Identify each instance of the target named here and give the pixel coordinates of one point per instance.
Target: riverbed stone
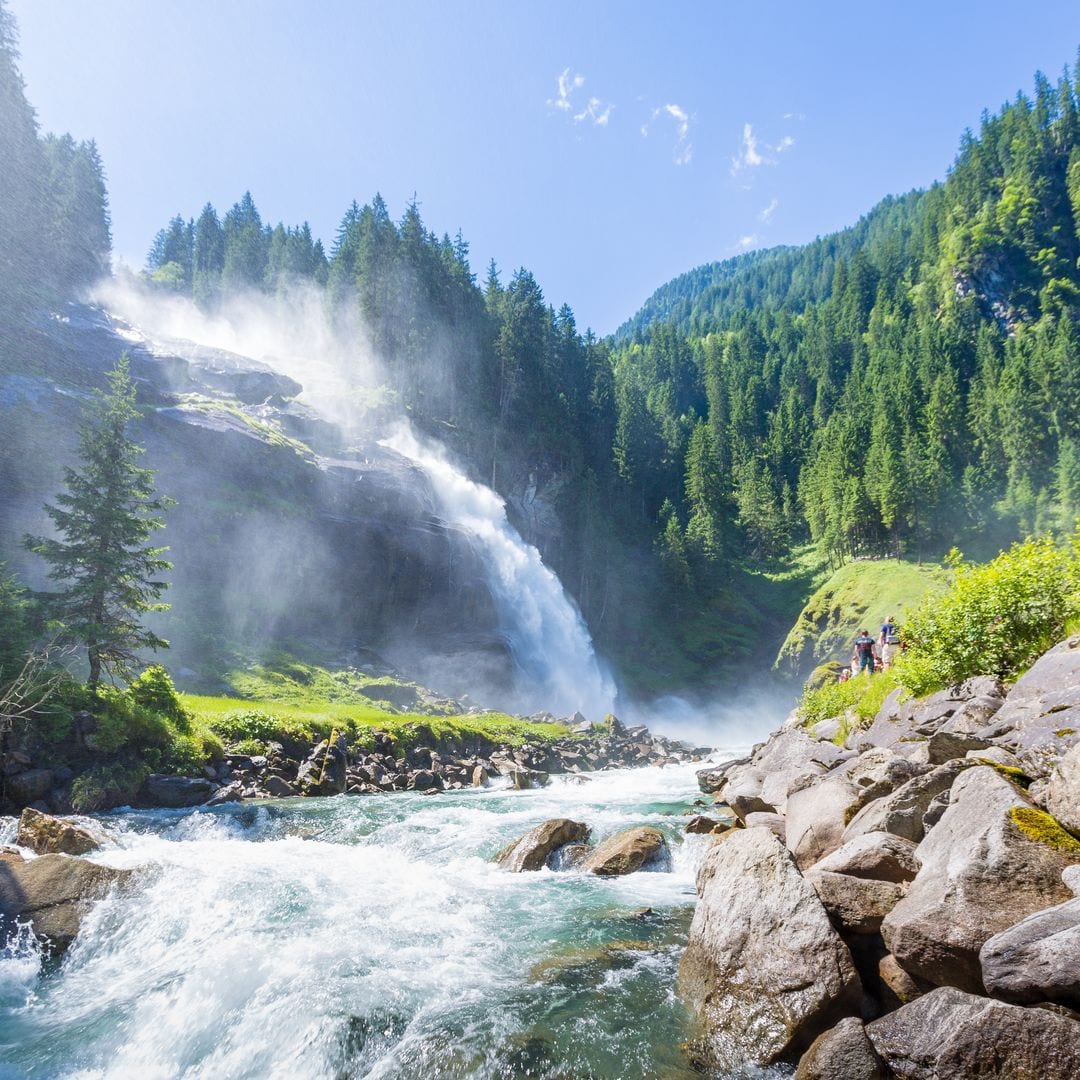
(532, 851)
(764, 970)
(841, 1053)
(29, 786)
(901, 984)
(1036, 960)
(175, 792)
(51, 890)
(641, 848)
(45, 834)
(951, 1034)
(774, 822)
(878, 855)
(980, 873)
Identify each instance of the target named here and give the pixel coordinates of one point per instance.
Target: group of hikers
(873, 654)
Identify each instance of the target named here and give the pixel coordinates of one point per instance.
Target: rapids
(367, 937)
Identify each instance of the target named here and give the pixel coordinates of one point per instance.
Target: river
(368, 937)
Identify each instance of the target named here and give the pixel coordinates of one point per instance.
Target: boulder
(324, 771)
(532, 851)
(29, 786)
(855, 905)
(1036, 960)
(1070, 877)
(1062, 796)
(901, 812)
(944, 746)
(980, 872)
(175, 791)
(45, 835)
(1040, 719)
(278, 788)
(974, 715)
(774, 822)
(902, 985)
(742, 791)
(841, 1053)
(764, 969)
(877, 855)
(50, 891)
(642, 848)
(948, 1033)
(711, 780)
(699, 823)
(817, 815)
(233, 792)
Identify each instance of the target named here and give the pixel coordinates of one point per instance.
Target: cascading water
(366, 937)
(558, 667)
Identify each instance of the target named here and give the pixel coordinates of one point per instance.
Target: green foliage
(106, 786)
(996, 618)
(16, 629)
(857, 699)
(154, 690)
(104, 519)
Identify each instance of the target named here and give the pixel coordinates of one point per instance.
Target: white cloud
(594, 110)
(748, 241)
(768, 211)
(683, 150)
(567, 84)
(754, 153)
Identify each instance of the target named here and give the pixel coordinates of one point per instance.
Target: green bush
(994, 619)
(255, 724)
(106, 786)
(154, 690)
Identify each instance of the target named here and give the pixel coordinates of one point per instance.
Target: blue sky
(605, 146)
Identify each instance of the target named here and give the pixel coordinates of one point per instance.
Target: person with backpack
(888, 641)
(864, 652)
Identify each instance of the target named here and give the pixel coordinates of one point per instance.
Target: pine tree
(104, 520)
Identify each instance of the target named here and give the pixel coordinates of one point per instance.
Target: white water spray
(559, 669)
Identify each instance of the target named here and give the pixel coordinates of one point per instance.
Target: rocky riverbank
(905, 901)
(382, 765)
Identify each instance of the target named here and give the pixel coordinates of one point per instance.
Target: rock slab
(44, 835)
(764, 970)
(641, 848)
(532, 851)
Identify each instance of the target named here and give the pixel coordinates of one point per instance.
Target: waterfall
(558, 669)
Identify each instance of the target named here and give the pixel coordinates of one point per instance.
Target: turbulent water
(557, 665)
(367, 937)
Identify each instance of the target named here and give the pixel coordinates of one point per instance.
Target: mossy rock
(824, 674)
(1040, 826)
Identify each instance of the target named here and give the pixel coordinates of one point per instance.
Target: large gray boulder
(901, 811)
(175, 792)
(877, 855)
(324, 772)
(29, 786)
(51, 892)
(1040, 719)
(818, 814)
(532, 851)
(841, 1053)
(641, 848)
(980, 872)
(1038, 959)
(763, 969)
(951, 1035)
(1062, 795)
(855, 905)
(45, 835)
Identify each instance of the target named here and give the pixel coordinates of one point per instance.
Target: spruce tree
(104, 520)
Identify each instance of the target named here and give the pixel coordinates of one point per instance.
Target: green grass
(860, 594)
(312, 717)
(268, 432)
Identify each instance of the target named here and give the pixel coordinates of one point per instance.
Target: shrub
(154, 690)
(106, 786)
(255, 724)
(994, 619)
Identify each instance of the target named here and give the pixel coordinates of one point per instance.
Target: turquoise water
(368, 937)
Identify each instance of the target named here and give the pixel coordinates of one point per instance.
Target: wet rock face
(176, 792)
(842, 1053)
(533, 850)
(1063, 791)
(628, 851)
(44, 834)
(948, 1033)
(764, 970)
(50, 892)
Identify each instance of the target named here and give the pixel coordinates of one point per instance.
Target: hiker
(888, 641)
(864, 652)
